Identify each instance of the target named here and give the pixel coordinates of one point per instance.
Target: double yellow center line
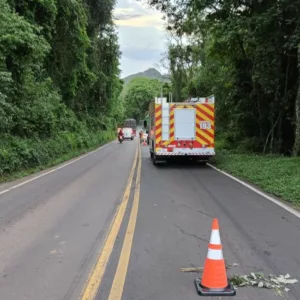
(94, 281)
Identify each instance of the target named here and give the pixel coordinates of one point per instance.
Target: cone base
(203, 291)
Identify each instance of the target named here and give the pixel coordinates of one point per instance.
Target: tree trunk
(296, 148)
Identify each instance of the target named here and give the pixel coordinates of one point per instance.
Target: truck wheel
(154, 160)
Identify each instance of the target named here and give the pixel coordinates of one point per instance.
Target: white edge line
(279, 203)
(54, 170)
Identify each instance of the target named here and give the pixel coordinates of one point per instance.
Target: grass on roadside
(276, 175)
(53, 155)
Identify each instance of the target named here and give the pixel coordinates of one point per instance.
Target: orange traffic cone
(214, 279)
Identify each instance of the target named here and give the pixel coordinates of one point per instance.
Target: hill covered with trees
(139, 92)
(150, 73)
(141, 88)
(59, 79)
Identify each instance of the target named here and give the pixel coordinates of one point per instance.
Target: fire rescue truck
(182, 130)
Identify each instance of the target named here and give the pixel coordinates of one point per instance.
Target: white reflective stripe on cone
(215, 237)
(214, 254)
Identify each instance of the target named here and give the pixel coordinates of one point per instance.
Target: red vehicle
(130, 123)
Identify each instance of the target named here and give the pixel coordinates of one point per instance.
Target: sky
(141, 36)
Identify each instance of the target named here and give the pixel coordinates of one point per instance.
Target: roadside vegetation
(277, 175)
(59, 81)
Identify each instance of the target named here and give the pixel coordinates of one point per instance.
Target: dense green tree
(139, 93)
(59, 77)
(249, 59)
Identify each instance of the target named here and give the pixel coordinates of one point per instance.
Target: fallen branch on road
(200, 269)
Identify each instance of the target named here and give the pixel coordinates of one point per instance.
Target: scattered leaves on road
(278, 283)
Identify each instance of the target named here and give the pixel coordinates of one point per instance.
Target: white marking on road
(257, 191)
(53, 170)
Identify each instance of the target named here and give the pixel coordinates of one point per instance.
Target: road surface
(112, 226)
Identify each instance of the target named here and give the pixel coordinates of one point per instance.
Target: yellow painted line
(120, 276)
(96, 276)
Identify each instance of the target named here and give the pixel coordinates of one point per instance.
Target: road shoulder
(7, 186)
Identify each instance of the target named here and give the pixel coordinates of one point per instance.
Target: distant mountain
(150, 73)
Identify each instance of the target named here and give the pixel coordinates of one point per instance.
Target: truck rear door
(184, 124)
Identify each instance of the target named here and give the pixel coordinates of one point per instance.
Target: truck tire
(154, 160)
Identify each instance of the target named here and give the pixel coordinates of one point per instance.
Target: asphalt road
(96, 228)
(52, 228)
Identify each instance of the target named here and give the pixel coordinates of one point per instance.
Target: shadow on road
(174, 164)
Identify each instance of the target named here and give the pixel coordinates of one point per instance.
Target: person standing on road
(141, 135)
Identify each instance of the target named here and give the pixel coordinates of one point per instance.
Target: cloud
(141, 21)
(138, 16)
(120, 18)
(126, 13)
(141, 35)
